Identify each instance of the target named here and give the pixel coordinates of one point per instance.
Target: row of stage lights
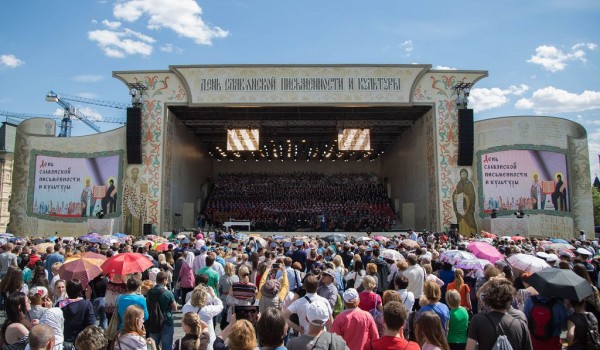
(288, 151)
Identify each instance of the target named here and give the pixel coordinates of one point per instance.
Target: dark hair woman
(78, 313)
(15, 331)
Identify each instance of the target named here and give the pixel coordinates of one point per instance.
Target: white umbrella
(454, 256)
(527, 263)
(506, 238)
(181, 236)
(559, 246)
(391, 255)
(470, 264)
(363, 239)
(142, 242)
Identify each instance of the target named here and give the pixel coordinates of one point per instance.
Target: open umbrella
(363, 239)
(126, 263)
(558, 240)
(486, 234)
(42, 246)
(484, 250)
(84, 268)
(391, 254)
(559, 283)
(142, 243)
(560, 246)
(161, 247)
(38, 240)
(410, 244)
(506, 238)
(455, 256)
(382, 239)
(470, 264)
(336, 237)
(527, 263)
(517, 238)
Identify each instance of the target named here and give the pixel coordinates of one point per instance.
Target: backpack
(540, 320)
(501, 342)
(339, 306)
(383, 271)
(591, 330)
(156, 317)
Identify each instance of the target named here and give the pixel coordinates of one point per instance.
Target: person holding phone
(272, 292)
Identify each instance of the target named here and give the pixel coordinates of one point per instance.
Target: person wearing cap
(299, 306)
(394, 318)
(356, 326)
(317, 315)
(552, 260)
(328, 288)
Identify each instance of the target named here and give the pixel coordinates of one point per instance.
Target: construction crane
(109, 104)
(19, 117)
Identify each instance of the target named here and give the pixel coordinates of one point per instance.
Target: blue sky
(542, 55)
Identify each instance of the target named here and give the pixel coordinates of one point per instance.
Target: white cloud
(482, 99)
(87, 95)
(407, 46)
(554, 59)
(444, 68)
(87, 78)
(92, 114)
(10, 61)
(111, 25)
(182, 16)
(119, 44)
(552, 100)
(169, 48)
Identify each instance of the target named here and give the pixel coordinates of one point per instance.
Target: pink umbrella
(484, 250)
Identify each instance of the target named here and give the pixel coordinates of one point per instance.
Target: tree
(596, 203)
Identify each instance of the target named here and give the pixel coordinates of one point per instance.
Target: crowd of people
(310, 201)
(295, 293)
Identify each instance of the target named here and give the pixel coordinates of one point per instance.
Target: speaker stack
(134, 135)
(465, 137)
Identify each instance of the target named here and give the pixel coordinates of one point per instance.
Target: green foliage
(596, 201)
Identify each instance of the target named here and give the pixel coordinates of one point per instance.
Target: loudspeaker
(147, 229)
(465, 137)
(134, 135)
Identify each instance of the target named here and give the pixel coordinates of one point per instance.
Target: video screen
(242, 140)
(354, 140)
(524, 180)
(75, 187)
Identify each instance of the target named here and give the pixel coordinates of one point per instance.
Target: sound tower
(147, 229)
(465, 137)
(134, 135)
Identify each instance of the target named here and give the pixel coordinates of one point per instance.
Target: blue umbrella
(53, 238)
(120, 235)
(558, 240)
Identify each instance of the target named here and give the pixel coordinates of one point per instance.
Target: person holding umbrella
(546, 314)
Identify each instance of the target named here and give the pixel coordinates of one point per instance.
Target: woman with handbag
(133, 335)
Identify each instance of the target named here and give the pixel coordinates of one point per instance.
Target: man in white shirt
(299, 307)
(200, 260)
(408, 298)
(416, 276)
(217, 266)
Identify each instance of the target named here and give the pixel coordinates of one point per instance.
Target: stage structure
(399, 122)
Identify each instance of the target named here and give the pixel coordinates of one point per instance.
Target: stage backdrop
(75, 186)
(524, 180)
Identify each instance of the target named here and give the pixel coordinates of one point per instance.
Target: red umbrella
(517, 238)
(126, 263)
(486, 234)
(85, 268)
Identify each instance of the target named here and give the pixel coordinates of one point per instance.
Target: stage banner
(76, 187)
(524, 180)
